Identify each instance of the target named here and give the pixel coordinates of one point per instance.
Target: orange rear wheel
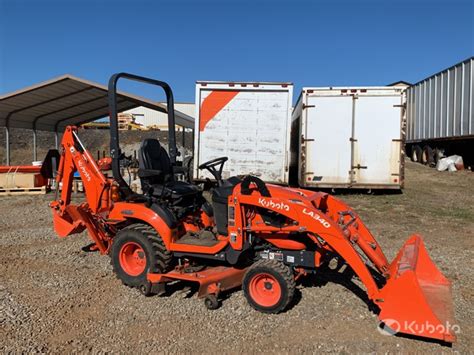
(132, 258)
(137, 250)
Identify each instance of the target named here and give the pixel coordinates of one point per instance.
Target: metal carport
(66, 100)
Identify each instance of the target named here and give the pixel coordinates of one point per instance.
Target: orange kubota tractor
(258, 236)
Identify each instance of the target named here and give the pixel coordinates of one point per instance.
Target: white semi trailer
(348, 137)
(249, 122)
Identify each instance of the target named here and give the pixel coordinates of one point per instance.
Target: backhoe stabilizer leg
(74, 220)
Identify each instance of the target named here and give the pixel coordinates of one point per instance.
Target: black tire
(211, 302)
(157, 257)
(416, 153)
(281, 273)
(427, 156)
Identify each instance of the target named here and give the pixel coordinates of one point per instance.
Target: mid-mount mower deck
(255, 235)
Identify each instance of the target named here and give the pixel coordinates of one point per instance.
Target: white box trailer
(249, 122)
(348, 137)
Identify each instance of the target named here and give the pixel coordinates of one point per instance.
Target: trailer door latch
(303, 139)
(358, 166)
(308, 106)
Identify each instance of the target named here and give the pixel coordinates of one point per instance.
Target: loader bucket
(417, 299)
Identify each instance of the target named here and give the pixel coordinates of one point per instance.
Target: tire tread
(163, 256)
(287, 276)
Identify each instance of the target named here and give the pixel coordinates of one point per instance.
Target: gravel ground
(56, 298)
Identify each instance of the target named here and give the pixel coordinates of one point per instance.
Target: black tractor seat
(156, 172)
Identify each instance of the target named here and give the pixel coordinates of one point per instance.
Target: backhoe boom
(70, 218)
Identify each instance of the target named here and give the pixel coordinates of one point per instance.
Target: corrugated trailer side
(249, 122)
(440, 115)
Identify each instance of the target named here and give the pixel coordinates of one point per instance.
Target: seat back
(153, 156)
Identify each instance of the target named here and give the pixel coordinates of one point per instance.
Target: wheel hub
(265, 290)
(132, 258)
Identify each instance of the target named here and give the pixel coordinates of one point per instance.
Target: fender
(122, 211)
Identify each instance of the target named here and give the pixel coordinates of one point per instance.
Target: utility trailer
(440, 115)
(249, 122)
(348, 137)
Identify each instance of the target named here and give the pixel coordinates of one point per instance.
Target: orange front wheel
(269, 286)
(265, 289)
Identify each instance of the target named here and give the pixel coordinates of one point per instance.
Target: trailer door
(251, 129)
(377, 140)
(327, 139)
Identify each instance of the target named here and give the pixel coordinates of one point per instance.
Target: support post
(35, 155)
(56, 139)
(7, 144)
(184, 136)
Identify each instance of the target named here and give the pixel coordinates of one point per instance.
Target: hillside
(21, 143)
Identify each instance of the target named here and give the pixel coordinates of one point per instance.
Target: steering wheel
(211, 167)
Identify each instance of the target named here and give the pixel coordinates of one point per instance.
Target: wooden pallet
(10, 191)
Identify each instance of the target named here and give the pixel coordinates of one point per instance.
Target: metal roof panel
(67, 100)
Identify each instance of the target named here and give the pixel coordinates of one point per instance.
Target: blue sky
(310, 43)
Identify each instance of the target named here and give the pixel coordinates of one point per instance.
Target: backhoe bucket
(417, 297)
(64, 228)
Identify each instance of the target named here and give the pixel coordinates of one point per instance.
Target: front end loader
(262, 237)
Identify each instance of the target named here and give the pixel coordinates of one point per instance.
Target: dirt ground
(54, 297)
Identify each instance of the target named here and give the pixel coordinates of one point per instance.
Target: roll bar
(115, 151)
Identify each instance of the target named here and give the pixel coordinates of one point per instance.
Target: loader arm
(70, 218)
(415, 297)
(315, 223)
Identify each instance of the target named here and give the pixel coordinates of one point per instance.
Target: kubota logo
(392, 327)
(83, 169)
(389, 327)
(271, 204)
(317, 217)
